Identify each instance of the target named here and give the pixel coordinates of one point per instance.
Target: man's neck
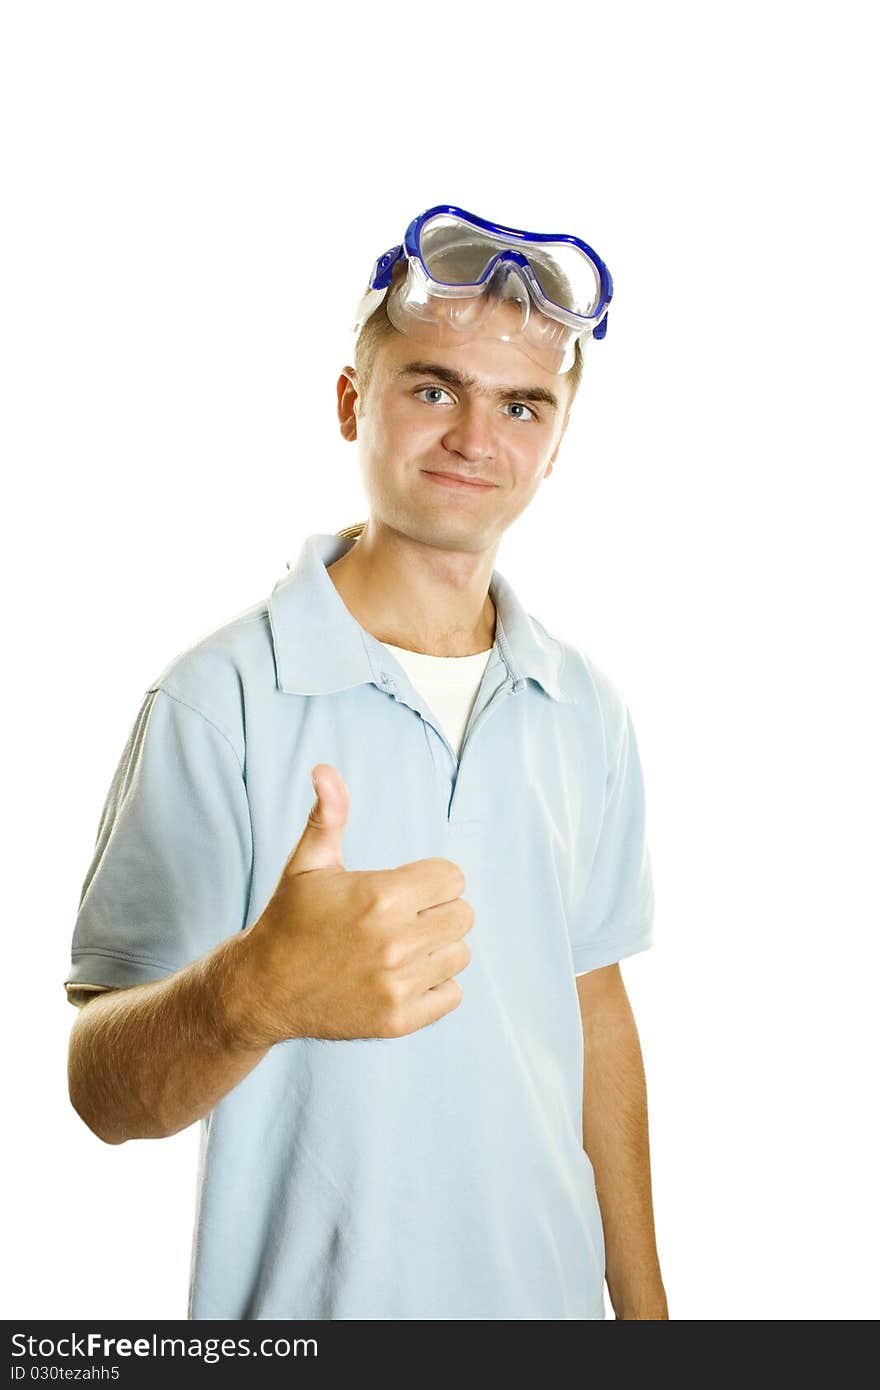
(416, 596)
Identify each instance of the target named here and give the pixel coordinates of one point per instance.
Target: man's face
(481, 409)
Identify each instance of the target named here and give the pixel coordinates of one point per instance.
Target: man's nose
(472, 433)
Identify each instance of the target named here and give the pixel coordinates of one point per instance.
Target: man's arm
(616, 1142)
(147, 1061)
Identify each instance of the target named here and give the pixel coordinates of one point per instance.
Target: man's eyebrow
(470, 383)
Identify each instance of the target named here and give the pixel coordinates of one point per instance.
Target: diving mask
(464, 275)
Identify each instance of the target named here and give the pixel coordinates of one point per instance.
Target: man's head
(480, 408)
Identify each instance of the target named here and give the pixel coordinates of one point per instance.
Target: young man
(372, 854)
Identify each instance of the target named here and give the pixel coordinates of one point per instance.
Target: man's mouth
(456, 480)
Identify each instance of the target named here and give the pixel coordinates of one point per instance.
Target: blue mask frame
(383, 268)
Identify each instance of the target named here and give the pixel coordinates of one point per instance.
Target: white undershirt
(449, 685)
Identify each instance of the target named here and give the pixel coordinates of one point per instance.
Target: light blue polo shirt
(440, 1175)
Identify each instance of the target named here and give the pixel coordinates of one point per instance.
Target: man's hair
(374, 333)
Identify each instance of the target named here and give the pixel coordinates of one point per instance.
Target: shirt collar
(320, 646)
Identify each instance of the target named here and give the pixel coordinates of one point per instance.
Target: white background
(194, 195)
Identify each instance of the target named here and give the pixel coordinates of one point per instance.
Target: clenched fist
(340, 954)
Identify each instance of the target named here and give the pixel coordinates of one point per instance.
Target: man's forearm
(148, 1061)
(616, 1141)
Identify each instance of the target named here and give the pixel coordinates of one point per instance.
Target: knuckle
(375, 898)
(381, 901)
(390, 991)
(391, 953)
(391, 1023)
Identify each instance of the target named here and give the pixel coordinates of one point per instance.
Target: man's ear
(347, 402)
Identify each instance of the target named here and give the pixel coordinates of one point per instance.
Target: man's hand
(340, 954)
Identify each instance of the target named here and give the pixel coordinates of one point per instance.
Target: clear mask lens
(456, 254)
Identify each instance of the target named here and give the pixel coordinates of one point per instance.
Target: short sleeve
(614, 912)
(170, 875)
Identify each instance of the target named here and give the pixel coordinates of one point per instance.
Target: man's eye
(422, 389)
(520, 405)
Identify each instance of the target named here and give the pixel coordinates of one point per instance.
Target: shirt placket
(450, 770)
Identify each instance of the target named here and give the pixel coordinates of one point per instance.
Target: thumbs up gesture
(340, 954)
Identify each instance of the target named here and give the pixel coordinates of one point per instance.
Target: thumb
(320, 845)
